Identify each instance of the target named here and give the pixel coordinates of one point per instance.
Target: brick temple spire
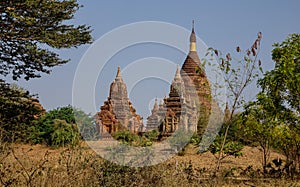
(196, 84)
(119, 77)
(192, 61)
(118, 88)
(193, 39)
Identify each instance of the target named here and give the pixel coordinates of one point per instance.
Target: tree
(29, 29)
(239, 72)
(282, 83)
(281, 87)
(53, 121)
(63, 126)
(18, 109)
(259, 125)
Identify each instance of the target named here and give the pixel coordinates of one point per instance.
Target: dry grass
(252, 156)
(38, 165)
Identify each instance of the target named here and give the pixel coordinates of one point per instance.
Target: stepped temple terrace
(186, 107)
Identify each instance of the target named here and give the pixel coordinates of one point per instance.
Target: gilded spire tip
(119, 72)
(193, 38)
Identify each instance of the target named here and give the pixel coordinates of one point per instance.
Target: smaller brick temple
(157, 116)
(117, 113)
(177, 111)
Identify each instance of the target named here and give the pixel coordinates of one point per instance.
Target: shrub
(151, 135)
(64, 134)
(58, 127)
(126, 137)
(231, 148)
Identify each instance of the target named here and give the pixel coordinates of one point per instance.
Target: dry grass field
(38, 165)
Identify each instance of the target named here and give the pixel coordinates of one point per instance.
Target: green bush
(64, 134)
(151, 135)
(58, 127)
(125, 137)
(231, 148)
(129, 138)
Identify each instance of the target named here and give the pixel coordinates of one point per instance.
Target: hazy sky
(220, 24)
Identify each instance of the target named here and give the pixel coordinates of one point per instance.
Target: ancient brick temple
(117, 113)
(196, 84)
(189, 103)
(177, 111)
(187, 106)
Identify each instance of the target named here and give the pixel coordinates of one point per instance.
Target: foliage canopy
(18, 110)
(29, 29)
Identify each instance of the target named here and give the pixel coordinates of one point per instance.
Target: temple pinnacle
(193, 40)
(119, 72)
(177, 75)
(118, 76)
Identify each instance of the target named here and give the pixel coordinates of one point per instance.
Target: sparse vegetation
(80, 166)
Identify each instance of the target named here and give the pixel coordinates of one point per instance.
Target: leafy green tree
(282, 83)
(281, 87)
(259, 125)
(287, 140)
(30, 29)
(18, 110)
(62, 126)
(125, 137)
(50, 122)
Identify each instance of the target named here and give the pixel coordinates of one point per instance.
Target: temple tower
(117, 113)
(196, 83)
(189, 102)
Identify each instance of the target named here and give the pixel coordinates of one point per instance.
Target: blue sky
(220, 24)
